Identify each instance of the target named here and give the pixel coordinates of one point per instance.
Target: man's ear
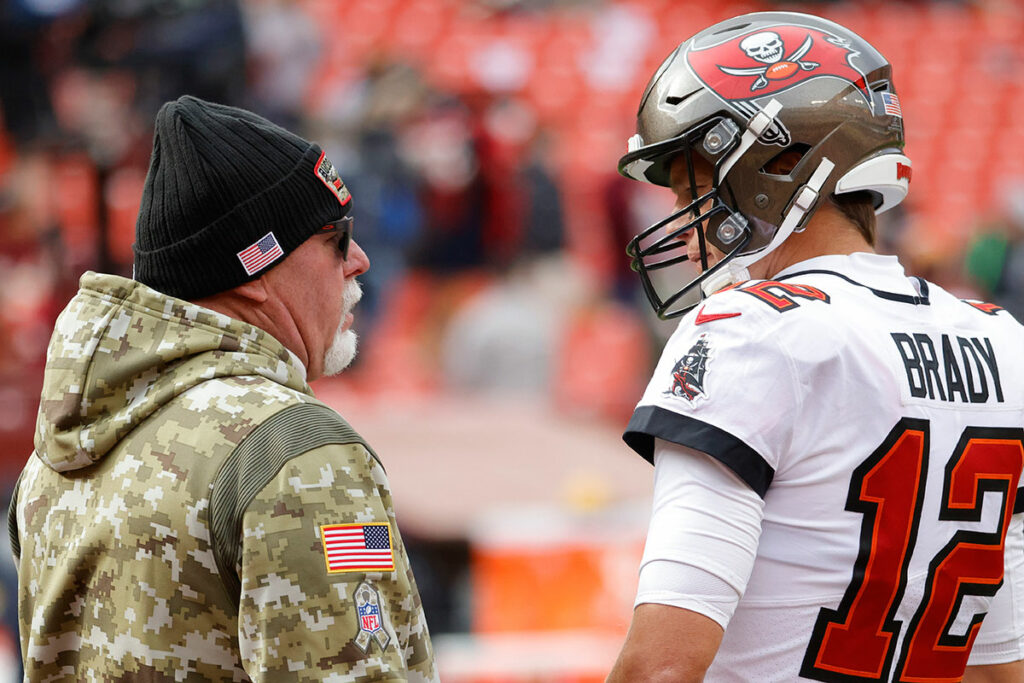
(254, 291)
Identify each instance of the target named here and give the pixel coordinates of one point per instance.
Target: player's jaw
(693, 251)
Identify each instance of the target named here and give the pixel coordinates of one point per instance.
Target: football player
(837, 445)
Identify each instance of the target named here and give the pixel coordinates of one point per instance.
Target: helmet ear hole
(783, 163)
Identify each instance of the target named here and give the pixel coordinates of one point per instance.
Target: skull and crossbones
(768, 48)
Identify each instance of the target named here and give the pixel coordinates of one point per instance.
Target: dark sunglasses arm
(343, 226)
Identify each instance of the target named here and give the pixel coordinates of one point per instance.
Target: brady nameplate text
(950, 368)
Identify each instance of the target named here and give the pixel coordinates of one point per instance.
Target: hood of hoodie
(120, 351)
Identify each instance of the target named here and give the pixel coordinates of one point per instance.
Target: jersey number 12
(857, 641)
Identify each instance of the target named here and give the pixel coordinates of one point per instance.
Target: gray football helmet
(738, 94)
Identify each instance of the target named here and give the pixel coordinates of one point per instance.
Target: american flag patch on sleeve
(358, 547)
(260, 255)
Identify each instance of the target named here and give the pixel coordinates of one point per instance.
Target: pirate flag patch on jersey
(689, 371)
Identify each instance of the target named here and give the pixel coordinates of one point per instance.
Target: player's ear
(784, 162)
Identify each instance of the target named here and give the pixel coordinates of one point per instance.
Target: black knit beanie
(228, 196)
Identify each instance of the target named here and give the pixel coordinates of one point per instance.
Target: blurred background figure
(995, 255)
(500, 319)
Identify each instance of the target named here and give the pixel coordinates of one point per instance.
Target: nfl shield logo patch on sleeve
(370, 613)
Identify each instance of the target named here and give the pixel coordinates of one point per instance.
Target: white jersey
(880, 419)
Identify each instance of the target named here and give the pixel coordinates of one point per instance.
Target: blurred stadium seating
(957, 68)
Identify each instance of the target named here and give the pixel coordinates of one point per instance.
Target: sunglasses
(343, 226)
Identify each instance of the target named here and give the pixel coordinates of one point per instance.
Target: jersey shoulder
(760, 307)
(988, 313)
(779, 296)
(972, 313)
(747, 338)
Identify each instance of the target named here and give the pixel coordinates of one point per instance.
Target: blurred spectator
(96, 112)
(283, 55)
(31, 265)
(544, 228)
(194, 47)
(442, 150)
(995, 256)
(504, 340)
(489, 185)
(24, 97)
(617, 194)
(380, 109)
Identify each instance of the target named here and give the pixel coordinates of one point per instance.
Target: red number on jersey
(972, 561)
(857, 641)
(991, 309)
(779, 295)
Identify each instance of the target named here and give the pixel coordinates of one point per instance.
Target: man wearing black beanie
(191, 510)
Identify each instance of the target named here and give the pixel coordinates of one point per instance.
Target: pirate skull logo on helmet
(765, 46)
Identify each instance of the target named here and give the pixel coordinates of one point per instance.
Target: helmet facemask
(711, 220)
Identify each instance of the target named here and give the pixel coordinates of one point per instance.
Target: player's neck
(827, 233)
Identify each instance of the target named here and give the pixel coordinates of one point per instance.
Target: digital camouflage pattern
(166, 527)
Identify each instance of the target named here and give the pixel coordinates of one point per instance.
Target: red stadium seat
(603, 358)
(420, 28)
(76, 203)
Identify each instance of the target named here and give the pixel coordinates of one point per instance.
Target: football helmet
(739, 94)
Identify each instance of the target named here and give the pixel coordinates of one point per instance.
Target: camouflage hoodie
(175, 521)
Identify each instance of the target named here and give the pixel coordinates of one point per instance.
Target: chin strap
(730, 274)
(807, 197)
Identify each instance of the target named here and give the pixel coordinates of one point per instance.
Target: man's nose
(357, 262)
(677, 224)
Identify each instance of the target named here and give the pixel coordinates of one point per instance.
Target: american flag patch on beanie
(258, 256)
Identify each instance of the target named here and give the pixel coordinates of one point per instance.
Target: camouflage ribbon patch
(371, 618)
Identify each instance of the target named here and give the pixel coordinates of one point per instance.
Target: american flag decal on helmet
(891, 103)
